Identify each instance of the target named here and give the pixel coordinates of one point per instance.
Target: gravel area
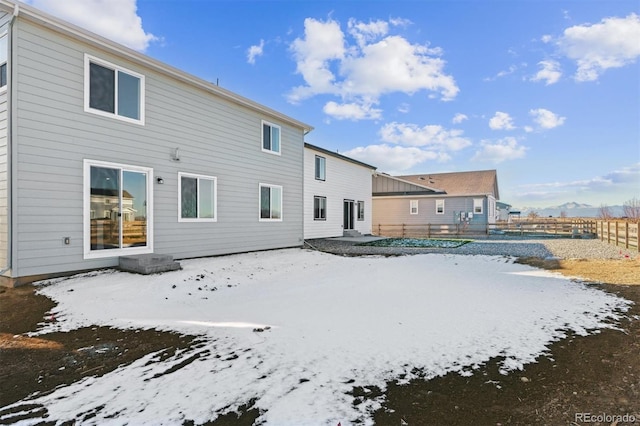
(561, 248)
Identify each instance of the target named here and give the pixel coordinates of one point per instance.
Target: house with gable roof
(337, 194)
(106, 152)
(467, 198)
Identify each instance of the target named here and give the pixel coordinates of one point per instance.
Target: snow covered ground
(329, 323)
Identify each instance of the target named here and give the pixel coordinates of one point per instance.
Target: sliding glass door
(118, 213)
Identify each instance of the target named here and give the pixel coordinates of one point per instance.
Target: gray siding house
(106, 152)
(466, 199)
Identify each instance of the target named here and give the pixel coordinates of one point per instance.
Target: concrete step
(148, 263)
(351, 233)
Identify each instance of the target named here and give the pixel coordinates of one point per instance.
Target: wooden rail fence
(574, 228)
(622, 233)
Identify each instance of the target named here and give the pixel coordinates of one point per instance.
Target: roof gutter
(41, 18)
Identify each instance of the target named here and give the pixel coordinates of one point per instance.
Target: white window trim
(478, 202)
(413, 203)
(314, 208)
(261, 219)
(5, 34)
(270, 151)
(87, 83)
(443, 206)
(358, 217)
(215, 199)
(86, 211)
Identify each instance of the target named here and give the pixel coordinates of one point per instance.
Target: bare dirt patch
(594, 374)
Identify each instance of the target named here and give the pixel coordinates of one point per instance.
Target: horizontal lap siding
(344, 181)
(215, 137)
(4, 193)
(395, 210)
(4, 176)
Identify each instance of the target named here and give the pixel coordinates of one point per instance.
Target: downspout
(10, 115)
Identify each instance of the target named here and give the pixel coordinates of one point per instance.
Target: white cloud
(395, 159)
(459, 118)
(364, 33)
(404, 108)
(255, 51)
(407, 145)
(427, 136)
(501, 121)
(612, 188)
(503, 73)
(375, 63)
(116, 20)
(546, 119)
(351, 111)
(549, 72)
(627, 176)
(323, 42)
(611, 43)
(499, 151)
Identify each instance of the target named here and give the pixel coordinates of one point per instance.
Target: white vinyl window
(360, 210)
(439, 206)
(321, 167)
(270, 203)
(319, 208)
(477, 205)
(413, 206)
(197, 196)
(4, 54)
(270, 138)
(113, 91)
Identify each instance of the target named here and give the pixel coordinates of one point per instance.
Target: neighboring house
(465, 198)
(503, 211)
(337, 194)
(106, 152)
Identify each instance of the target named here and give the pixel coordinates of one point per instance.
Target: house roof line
(53, 23)
(338, 155)
(410, 183)
(423, 194)
(461, 183)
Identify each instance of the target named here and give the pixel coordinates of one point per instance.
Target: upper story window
(477, 205)
(4, 53)
(270, 138)
(439, 206)
(113, 91)
(413, 206)
(197, 198)
(321, 167)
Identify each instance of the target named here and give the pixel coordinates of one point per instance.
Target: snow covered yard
(295, 330)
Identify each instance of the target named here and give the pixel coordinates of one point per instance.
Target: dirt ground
(584, 380)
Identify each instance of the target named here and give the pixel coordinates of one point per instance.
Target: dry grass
(609, 271)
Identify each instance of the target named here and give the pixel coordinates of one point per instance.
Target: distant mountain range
(572, 209)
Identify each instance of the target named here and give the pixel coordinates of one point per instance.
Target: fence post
(428, 230)
(626, 235)
(617, 235)
(403, 230)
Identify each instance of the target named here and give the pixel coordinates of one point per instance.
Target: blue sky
(545, 92)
